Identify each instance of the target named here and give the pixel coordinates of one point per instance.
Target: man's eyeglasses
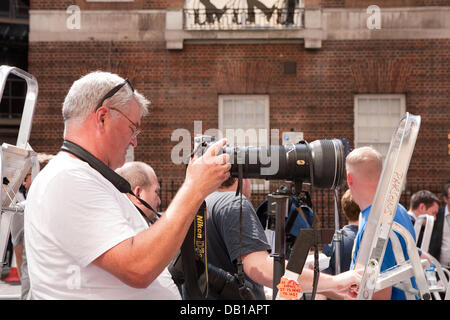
(136, 129)
(113, 91)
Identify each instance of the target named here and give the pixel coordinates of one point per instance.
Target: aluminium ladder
(380, 225)
(16, 161)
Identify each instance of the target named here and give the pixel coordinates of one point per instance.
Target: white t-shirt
(74, 215)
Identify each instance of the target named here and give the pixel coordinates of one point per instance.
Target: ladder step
(394, 275)
(399, 273)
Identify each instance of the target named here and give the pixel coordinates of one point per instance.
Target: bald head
(365, 162)
(143, 181)
(137, 173)
(363, 167)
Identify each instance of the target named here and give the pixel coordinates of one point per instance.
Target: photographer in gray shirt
(227, 245)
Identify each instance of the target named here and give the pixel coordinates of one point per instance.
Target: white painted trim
(336, 24)
(98, 25)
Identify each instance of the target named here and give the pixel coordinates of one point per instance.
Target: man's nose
(159, 201)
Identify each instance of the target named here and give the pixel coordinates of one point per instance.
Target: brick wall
(318, 100)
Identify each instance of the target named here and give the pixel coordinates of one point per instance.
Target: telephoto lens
(321, 162)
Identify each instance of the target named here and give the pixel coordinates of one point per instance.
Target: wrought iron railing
(239, 19)
(323, 200)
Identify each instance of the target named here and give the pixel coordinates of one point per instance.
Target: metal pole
(337, 238)
(278, 205)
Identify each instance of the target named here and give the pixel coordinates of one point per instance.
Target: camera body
(320, 163)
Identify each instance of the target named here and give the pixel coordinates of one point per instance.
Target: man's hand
(347, 283)
(206, 173)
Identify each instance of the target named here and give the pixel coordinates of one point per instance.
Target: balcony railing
(243, 19)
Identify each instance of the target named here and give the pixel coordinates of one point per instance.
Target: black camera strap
(244, 291)
(194, 263)
(192, 268)
(119, 182)
(193, 253)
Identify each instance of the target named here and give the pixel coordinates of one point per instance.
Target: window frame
(257, 187)
(357, 116)
(263, 97)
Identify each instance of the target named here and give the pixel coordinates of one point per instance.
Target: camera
(320, 163)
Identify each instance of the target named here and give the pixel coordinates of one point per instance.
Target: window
(14, 8)
(244, 121)
(376, 118)
(13, 99)
(11, 108)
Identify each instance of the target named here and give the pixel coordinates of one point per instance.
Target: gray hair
(86, 93)
(136, 173)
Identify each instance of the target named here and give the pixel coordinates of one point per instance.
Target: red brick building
(335, 70)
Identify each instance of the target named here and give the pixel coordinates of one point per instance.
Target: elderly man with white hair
(85, 238)
(364, 166)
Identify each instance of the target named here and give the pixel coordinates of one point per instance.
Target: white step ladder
(429, 223)
(16, 161)
(380, 225)
(380, 228)
(443, 273)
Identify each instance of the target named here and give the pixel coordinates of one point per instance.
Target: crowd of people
(92, 227)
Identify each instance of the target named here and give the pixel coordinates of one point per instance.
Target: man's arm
(137, 261)
(259, 267)
(331, 286)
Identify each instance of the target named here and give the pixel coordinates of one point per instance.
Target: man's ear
(137, 191)
(349, 179)
(422, 208)
(100, 116)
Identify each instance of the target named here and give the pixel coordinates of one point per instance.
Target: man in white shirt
(85, 239)
(440, 238)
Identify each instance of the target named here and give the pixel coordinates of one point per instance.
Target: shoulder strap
(119, 182)
(244, 291)
(194, 258)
